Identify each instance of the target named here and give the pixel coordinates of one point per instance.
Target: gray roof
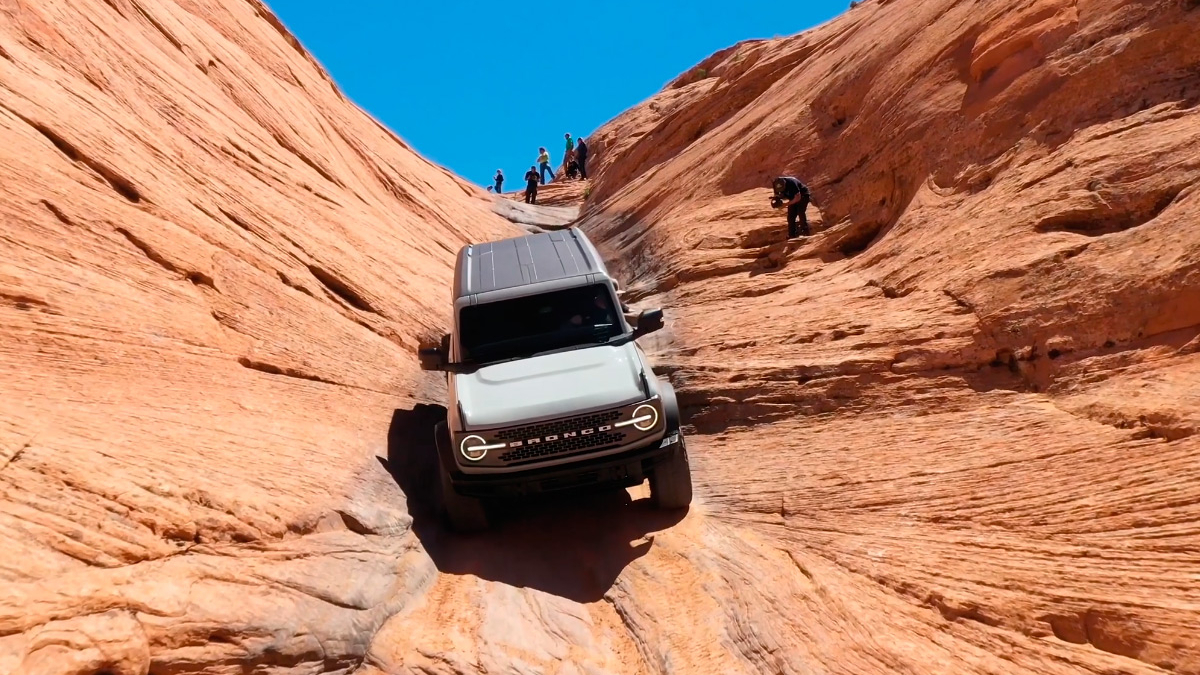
(525, 260)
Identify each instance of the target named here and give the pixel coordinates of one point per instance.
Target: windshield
(521, 327)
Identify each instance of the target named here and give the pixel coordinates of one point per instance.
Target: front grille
(561, 446)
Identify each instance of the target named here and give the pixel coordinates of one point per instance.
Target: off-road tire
(463, 514)
(671, 481)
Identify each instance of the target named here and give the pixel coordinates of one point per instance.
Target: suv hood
(552, 385)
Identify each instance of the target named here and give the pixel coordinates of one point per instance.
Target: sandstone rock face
(213, 271)
(953, 432)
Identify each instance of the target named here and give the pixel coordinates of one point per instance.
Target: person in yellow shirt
(544, 164)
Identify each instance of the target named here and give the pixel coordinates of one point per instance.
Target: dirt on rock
(952, 432)
(560, 192)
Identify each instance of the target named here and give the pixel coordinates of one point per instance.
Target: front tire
(463, 514)
(671, 481)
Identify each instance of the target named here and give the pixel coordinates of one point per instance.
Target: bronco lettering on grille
(555, 437)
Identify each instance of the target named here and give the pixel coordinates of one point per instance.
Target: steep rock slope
(213, 271)
(954, 431)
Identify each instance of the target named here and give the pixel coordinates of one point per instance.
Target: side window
(604, 303)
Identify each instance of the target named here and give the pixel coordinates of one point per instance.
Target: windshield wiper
(618, 340)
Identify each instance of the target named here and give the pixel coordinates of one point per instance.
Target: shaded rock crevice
(1104, 218)
(341, 289)
(195, 277)
(162, 30)
(286, 372)
(57, 213)
(24, 302)
(119, 183)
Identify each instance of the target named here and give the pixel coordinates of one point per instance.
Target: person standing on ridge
(570, 149)
(792, 192)
(581, 154)
(499, 178)
(544, 163)
(531, 184)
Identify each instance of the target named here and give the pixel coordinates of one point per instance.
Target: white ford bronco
(548, 389)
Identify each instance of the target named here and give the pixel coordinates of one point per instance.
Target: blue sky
(476, 86)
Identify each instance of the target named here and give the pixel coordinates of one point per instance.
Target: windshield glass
(521, 327)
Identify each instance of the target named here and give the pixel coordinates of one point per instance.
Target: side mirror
(431, 358)
(434, 357)
(648, 321)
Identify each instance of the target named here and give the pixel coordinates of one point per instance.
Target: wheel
(463, 514)
(671, 481)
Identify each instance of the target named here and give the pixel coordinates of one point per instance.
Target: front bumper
(626, 469)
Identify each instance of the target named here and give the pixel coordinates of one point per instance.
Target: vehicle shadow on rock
(573, 546)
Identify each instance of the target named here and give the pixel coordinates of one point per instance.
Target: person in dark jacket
(499, 178)
(581, 155)
(531, 185)
(790, 191)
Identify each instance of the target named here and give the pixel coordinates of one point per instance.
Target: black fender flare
(445, 449)
(670, 406)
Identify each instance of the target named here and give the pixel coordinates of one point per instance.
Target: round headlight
(645, 417)
(474, 448)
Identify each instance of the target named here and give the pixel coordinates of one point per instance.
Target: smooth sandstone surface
(952, 432)
(213, 272)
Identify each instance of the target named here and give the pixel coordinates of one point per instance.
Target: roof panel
(570, 255)
(506, 264)
(546, 260)
(523, 260)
